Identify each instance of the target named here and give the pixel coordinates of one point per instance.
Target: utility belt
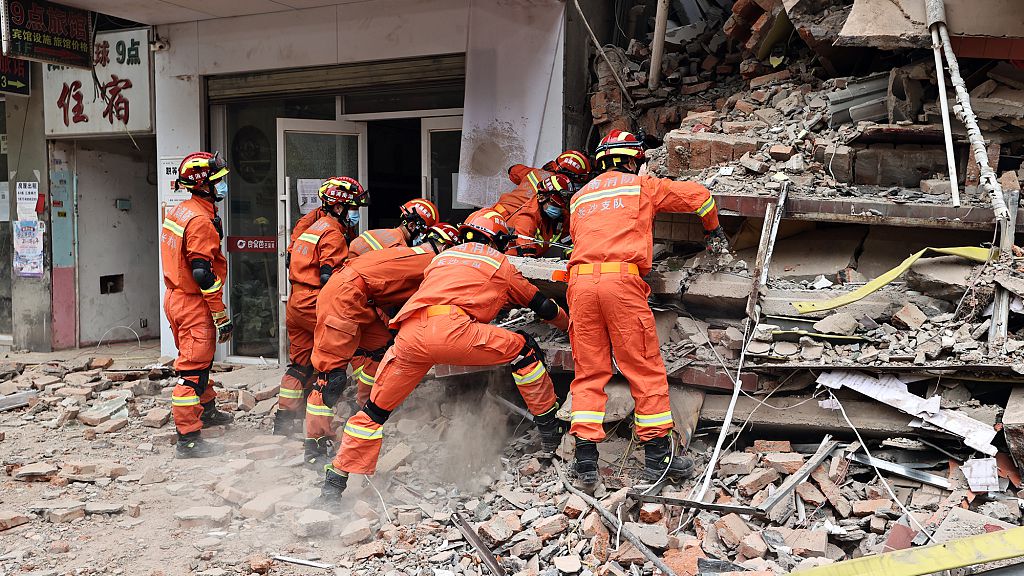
(598, 268)
(442, 310)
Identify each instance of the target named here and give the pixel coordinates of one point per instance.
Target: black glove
(716, 241)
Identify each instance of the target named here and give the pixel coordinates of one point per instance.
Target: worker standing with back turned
(194, 268)
(612, 222)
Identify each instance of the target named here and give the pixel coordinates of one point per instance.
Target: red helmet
(573, 164)
(198, 169)
(343, 190)
(443, 235)
(617, 147)
(558, 188)
(421, 211)
(487, 223)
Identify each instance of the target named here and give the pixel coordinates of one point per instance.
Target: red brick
(721, 151)
(700, 153)
(696, 88)
(809, 494)
(831, 492)
(651, 513)
(807, 543)
(781, 152)
(709, 63)
(753, 546)
(684, 562)
(737, 463)
(772, 446)
(744, 107)
(752, 483)
(770, 78)
(784, 462)
(863, 508)
(731, 530)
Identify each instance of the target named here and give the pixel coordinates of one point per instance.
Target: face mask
(419, 239)
(220, 189)
(352, 218)
(552, 211)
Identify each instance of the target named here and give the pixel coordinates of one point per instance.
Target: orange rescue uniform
(612, 228)
(378, 239)
(347, 317)
(446, 322)
(191, 231)
(527, 180)
(529, 221)
(323, 243)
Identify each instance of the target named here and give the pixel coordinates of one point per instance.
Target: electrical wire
(370, 482)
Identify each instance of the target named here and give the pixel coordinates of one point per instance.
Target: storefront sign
(120, 102)
(14, 76)
(28, 248)
(252, 244)
(47, 32)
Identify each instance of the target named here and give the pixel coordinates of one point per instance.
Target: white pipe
(944, 103)
(658, 46)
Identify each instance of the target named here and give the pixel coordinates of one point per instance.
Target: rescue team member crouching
(418, 215)
(314, 256)
(612, 225)
(544, 220)
(347, 320)
(571, 163)
(447, 322)
(194, 269)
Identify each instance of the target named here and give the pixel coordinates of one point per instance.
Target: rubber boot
(658, 456)
(214, 417)
(191, 445)
(335, 482)
(551, 429)
(288, 423)
(585, 466)
(319, 451)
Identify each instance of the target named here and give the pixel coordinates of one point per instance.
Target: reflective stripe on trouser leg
(534, 384)
(186, 408)
(591, 349)
(360, 445)
(291, 394)
(365, 377)
(318, 417)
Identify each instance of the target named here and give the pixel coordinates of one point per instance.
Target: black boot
(288, 423)
(319, 451)
(658, 456)
(551, 429)
(335, 482)
(191, 445)
(585, 465)
(214, 417)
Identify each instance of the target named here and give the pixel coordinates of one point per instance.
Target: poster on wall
(28, 248)
(169, 197)
(117, 100)
(47, 32)
(309, 194)
(26, 197)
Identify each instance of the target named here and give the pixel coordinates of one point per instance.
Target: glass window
(252, 211)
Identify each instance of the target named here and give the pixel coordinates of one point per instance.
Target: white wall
(113, 241)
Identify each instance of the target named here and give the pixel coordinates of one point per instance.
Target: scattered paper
(982, 474)
(829, 404)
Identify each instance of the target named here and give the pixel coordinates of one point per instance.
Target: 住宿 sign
(47, 32)
(118, 100)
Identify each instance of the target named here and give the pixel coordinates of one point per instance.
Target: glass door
(441, 137)
(310, 151)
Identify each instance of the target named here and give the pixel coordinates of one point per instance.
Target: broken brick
(784, 462)
(551, 526)
(737, 463)
(752, 546)
(731, 530)
(772, 446)
(807, 543)
(809, 494)
(575, 507)
(863, 508)
(781, 152)
(495, 532)
(752, 483)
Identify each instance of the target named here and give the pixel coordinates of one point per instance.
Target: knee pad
(531, 352)
(331, 385)
(198, 385)
(376, 413)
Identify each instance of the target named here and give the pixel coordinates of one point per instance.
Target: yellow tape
(990, 547)
(969, 252)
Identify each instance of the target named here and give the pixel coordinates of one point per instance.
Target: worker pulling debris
(349, 321)
(612, 224)
(446, 321)
(417, 215)
(544, 219)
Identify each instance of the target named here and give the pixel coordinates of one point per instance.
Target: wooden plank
(17, 400)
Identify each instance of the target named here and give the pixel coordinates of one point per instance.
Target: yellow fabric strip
(706, 207)
(311, 238)
(369, 239)
(586, 416)
(419, 250)
(185, 400)
(289, 393)
(364, 433)
(630, 190)
(174, 227)
(365, 378)
(969, 252)
(319, 410)
(484, 259)
(532, 376)
(653, 419)
(217, 285)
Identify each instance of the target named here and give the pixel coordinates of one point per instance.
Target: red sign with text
(252, 244)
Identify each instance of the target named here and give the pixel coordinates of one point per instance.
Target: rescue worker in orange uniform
(418, 215)
(348, 319)
(315, 255)
(571, 163)
(194, 269)
(612, 225)
(447, 322)
(543, 221)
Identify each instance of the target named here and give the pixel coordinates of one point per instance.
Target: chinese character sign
(47, 32)
(119, 98)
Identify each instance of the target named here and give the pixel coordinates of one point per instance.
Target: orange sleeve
(517, 172)
(520, 290)
(201, 243)
(671, 196)
(524, 223)
(333, 248)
